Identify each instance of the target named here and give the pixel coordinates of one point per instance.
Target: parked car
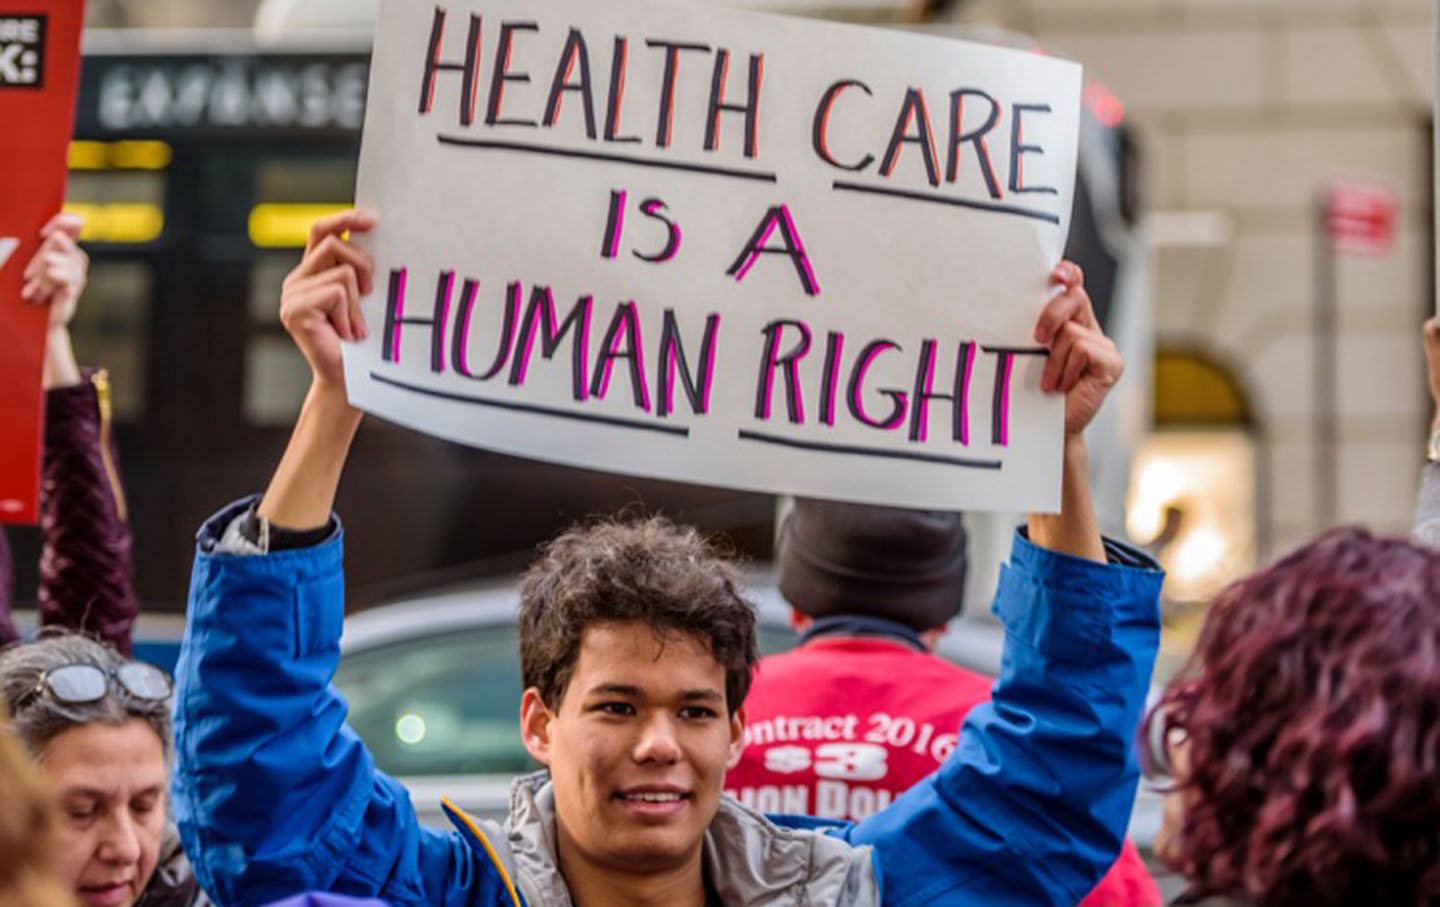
(434, 689)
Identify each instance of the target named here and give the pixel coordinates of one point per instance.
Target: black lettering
(468, 67)
(503, 74)
(461, 335)
(777, 217)
(790, 362)
(574, 52)
(616, 97)
(975, 136)
(667, 87)
(1018, 148)
(819, 130)
(551, 335)
(913, 110)
(672, 354)
(717, 103)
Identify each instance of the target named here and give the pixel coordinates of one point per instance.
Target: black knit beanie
(904, 565)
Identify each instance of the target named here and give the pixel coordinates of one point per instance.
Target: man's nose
(657, 742)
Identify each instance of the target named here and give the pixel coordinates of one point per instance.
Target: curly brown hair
(28, 873)
(647, 570)
(1310, 714)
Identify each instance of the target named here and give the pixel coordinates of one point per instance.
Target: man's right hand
(320, 302)
(320, 307)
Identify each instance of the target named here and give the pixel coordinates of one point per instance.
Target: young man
(633, 700)
(862, 710)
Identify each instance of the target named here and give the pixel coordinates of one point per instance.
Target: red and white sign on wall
(39, 65)
(1360, 217)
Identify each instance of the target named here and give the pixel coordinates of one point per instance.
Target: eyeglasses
(80, 684)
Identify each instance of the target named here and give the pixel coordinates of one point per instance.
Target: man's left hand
(1083, 364)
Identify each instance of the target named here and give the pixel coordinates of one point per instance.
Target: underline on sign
(947, 200)
(631, 160)
(615, 421)
(867, 451)
(1018, 350)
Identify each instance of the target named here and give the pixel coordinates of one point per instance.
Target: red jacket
(842, 725)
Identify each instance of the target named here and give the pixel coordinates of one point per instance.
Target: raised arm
(86, 576)
(1427, 509)
(1032, 806)
(273, 793)
(320, 307)
(1083, 365)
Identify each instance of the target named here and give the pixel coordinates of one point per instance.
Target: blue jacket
(275, 795)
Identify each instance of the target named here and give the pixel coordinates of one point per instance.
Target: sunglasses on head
(80, 684)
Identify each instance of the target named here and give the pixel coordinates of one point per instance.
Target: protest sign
(39, 62)
(716, 246)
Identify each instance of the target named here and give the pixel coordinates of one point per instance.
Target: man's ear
(535, 718)
(737, 737)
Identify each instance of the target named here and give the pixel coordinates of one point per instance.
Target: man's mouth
(654, 801)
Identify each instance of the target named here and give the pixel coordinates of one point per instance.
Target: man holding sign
(636, 652)
(687, 243)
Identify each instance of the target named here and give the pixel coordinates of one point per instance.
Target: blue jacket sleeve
(273, 794)
(1032, 807)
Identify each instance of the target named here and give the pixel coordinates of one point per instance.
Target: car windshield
(449, 703)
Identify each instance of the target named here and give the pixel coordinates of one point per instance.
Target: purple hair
(1310, 710)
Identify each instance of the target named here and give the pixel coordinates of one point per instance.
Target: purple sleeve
(86, 580)
(8, 634)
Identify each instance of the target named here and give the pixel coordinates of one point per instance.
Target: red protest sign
(1360, 218)
(39, 66)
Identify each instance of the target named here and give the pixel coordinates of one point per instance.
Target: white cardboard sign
(701, 244)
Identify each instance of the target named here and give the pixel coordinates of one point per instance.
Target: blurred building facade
(1246, 110)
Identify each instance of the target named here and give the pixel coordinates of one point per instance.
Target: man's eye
(698, 713)
(144, 806)
(80, 813)
(615, 708)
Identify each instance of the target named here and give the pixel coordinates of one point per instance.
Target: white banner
(723, 247)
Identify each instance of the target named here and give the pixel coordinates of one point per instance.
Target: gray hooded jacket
(748, 858)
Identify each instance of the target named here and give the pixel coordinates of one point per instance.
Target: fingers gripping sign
(1083, 363)
(320, 300)
(56, 274)
(1432, 361)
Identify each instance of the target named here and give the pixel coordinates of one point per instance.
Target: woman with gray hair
(98, 727)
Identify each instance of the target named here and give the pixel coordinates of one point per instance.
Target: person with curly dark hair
(1305, 733)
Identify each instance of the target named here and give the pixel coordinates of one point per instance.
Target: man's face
(637, 749)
